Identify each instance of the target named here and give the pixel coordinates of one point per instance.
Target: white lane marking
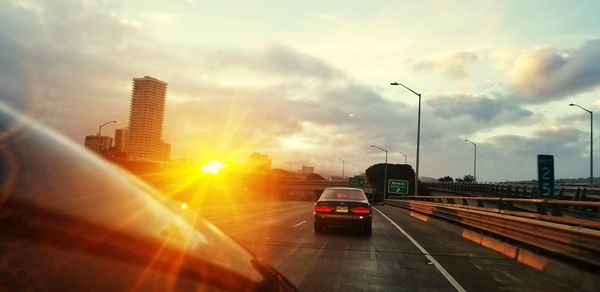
(445, 273)
(508, 275)
(303, 221)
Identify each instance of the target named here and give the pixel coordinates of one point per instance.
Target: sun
(212, 167)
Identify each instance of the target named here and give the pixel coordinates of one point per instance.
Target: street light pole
(591, 141)
(404, 156)
(343, 174)
(99, 134)
(474, 160)
(418, 135)
(384, 170)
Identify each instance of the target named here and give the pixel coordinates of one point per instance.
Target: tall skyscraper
(146, 116)
(120, 139)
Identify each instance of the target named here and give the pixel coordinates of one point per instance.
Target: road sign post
(397, 186)
(545, 176)
(357, 181)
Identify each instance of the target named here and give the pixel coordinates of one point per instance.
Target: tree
(469, 178)
(445, 178)
(375, 175)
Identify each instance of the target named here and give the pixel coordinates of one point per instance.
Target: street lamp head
(571, 104)
(394, 83)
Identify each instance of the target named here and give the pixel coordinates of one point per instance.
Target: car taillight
(323, 209)
(361, 210)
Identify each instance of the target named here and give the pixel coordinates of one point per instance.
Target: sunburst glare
(212, 167)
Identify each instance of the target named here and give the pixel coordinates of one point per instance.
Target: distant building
(98, 143)
(120, 139)
(308, 169)
(146, 116)
(165, 151)
(259, 162)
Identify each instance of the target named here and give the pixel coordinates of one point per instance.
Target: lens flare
(212, 167)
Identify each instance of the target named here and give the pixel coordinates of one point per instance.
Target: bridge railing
(543, 209)
(526, 191)
(562, 191)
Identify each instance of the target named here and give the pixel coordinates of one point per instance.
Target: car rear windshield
(344, 194)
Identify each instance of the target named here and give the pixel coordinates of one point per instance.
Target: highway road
(434, 258)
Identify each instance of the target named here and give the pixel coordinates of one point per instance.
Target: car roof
(343, 188)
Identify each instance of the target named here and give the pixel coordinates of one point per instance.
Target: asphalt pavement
(403, 253)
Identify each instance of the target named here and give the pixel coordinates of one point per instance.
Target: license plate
(341, 209)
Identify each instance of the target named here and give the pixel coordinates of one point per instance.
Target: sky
(308, 82)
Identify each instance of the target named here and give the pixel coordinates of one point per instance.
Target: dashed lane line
(440, 268)
(298, 224)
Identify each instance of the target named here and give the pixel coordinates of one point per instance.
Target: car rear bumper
(343, 219)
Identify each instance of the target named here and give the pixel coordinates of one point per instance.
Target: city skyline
(309, 84)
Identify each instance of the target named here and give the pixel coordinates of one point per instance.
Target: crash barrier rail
(575, 242)
(562, 191)
(527, 191)
(545, 210)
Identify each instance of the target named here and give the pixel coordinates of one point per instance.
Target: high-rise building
(98, 143)
(146, 115)
(120, 139)
(308, 169)
(258, 162)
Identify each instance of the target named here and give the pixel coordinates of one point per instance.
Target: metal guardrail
(526, 191)
(542, 207)
(563, 191)
(578, 243)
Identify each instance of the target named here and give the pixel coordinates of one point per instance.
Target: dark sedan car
(72, 222)
(343, 206)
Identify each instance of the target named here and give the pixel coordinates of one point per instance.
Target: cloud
(510, 156)
(456, 66)
(59, 62)
(482, 109)
(544, 74)
(276, 60)
(515, 156)
(546, 141)
(218, 99)
(70, 65)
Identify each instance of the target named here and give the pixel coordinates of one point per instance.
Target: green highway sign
(396, 186)
(357, 181)
(545, 176)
